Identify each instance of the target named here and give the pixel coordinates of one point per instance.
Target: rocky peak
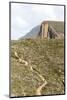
(51, 29)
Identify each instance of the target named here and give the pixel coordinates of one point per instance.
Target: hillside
(35, 31)
(44, 56)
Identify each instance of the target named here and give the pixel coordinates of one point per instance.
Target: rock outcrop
(47, 29)
(51, 29)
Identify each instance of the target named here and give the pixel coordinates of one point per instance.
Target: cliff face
(44, 30)
(47, 29)
(52, 29)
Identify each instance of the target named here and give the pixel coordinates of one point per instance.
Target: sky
(24, 17)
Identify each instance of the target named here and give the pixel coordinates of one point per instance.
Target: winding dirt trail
(39, 89)
(19, 59)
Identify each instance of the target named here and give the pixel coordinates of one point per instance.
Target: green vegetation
(47, 57)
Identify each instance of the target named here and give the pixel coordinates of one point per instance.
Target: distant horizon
(24, 17)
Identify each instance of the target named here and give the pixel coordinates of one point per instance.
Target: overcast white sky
(26, 16)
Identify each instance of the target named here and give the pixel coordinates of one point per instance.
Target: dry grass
(47, 57)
